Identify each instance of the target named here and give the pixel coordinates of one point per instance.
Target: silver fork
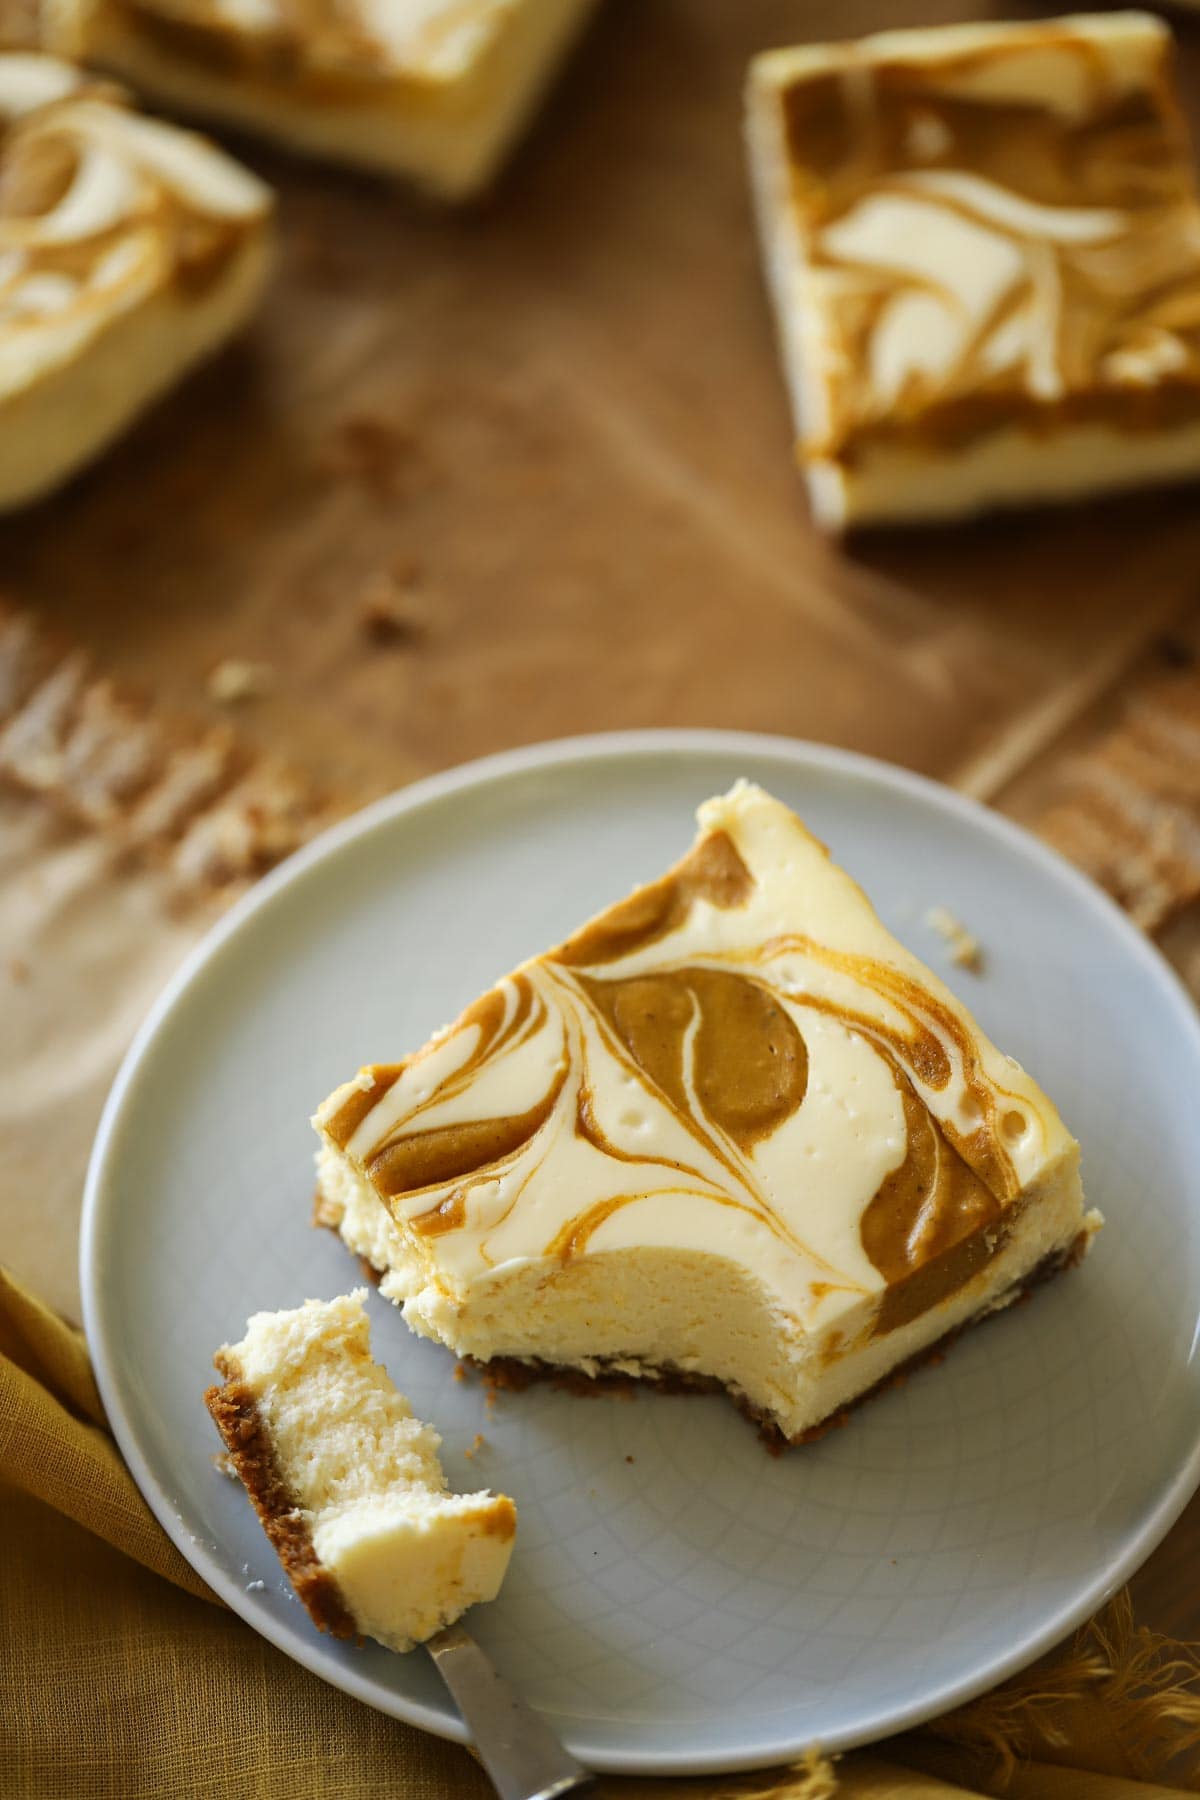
(519, 1751)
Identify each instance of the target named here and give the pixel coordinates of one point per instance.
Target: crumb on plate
(965, 949)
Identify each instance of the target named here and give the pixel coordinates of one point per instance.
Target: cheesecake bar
(729, 1133)
(347, 1483)
(432, 90)
(129, 251)
(983, 248)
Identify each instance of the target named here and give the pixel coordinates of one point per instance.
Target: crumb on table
(233, 681)
(391, 608)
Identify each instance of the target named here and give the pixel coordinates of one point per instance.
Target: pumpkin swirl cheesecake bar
(983, 246)
(730, 1133)
(129, 252)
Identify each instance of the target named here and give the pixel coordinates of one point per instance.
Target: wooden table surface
(554, 427)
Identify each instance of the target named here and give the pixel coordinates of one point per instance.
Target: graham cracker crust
(327, 1216)
(248, 1442)
(511, 1374)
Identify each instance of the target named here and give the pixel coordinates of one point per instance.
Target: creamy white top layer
(999, 209)
(99, 210)
(742, 1079)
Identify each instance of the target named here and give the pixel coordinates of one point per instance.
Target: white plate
(679, 1601)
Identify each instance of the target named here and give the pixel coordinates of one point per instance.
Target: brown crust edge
(511, 1374)
(248, 1441)
(327, 1217)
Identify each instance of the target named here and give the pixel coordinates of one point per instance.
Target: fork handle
(519, 1751)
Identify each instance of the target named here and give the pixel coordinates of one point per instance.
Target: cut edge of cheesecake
(346, 1204)
(347, 1483)
(1041, 1229)
(513, 1374)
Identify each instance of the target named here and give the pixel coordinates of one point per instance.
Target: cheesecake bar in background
(983, 246)
(434, 91)
(730, 1134)
(129, 251)
(347, 1483)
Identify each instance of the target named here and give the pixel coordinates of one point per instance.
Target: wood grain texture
(562, 417)
(555, 427)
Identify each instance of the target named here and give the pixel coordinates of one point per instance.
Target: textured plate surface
(678, 1599)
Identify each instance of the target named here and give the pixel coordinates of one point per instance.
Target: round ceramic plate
(679, 1600)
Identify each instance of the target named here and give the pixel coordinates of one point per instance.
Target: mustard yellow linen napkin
(123, 1676)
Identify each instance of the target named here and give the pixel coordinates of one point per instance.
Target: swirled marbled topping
(335, 43)
(99, 210)
(993, 222)
(737, 1060)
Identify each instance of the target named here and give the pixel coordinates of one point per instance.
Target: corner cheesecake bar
(730, 1132)
(347, 1483)
(432, 90)
(983, 246)
(129, 251)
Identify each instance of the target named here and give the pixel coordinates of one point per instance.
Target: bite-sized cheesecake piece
(731, 1130)
(983, 245)
(347, 1482)
(128, 251)
(432, 90)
